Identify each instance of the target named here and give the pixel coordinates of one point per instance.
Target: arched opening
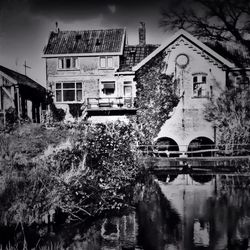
(201, 178)
(167, 147)
(201, 147)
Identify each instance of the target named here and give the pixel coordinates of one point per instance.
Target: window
(127, 89)
(108, 88)
(106, 62)
(199, 85)
(103, 62)
(69, 92)
(68, 63)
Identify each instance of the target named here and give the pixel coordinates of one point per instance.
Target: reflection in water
(109, 234)
(181, 212)
(185, 214)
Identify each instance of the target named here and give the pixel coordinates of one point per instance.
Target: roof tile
(87, 41)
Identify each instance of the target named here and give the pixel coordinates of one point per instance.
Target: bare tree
(218, 20)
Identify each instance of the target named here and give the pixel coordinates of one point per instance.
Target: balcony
(110, 106)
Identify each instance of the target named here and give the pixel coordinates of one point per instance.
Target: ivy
(156, 97)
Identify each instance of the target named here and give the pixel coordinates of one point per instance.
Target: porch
(110, 106)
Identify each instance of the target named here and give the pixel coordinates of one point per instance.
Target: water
(174, 212)
(196, 212)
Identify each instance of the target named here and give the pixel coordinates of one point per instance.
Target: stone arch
(166, 145)
(201, 178)
(200, 143)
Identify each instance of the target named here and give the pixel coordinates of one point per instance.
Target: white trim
(125, 73)
(193, 39)
(237, 69)
(82, 54)
(8, 77)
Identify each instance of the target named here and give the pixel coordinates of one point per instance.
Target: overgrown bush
(93, 176)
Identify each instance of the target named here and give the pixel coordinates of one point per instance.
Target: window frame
(102, 88)
(62, 89)
(106, 62)
(62, 63)
(200, 80)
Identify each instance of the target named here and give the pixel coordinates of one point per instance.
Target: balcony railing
(110, 103)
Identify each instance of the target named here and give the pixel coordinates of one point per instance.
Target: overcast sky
(25, 25)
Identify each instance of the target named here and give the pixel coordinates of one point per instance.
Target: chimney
(142, 34)
(57, 30)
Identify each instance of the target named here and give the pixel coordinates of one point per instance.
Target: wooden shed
(22, 93)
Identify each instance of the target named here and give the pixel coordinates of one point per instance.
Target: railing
(110, 102)
(206, 150)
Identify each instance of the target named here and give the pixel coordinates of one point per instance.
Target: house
(20, 92)
(201, 74)
(90, 71)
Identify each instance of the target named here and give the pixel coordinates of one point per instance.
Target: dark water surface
(174, 212)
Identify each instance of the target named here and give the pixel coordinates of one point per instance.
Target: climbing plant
(156, 97)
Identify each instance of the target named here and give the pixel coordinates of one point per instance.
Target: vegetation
(222, 21)
(226, 22)
(231, 115)
(156, 97)
(91, 175)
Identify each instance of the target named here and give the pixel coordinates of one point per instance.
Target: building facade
(90, 71)
(202, 74)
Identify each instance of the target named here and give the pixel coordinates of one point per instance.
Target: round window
(182, 60)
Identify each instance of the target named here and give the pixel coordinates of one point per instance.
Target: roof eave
(83, 54)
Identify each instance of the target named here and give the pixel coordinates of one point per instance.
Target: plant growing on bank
(156, 97)
(93, 176)
(230, 113)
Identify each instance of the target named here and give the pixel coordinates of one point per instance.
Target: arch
(202, 179)
(198, 144)
(166, 145)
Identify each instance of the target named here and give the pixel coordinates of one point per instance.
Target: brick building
(90, 71)
(202, 74)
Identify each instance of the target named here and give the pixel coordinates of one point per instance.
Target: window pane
(68, 63)
(78, 85)
(58, 85)
(195, 79)
(204, 79)
(68, 95)
(79, 95)
(102, 62)
(73, 62)
(127, 91)
(60, 63)
(69, 85)
(58, 95)
(110, 62)
(108, 88)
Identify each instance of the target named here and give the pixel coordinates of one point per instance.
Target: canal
(182, 211)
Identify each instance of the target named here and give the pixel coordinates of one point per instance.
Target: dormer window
(106, 62)
(68, 63)
(199, 85)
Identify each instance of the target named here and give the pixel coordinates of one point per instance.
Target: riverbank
(81, 170)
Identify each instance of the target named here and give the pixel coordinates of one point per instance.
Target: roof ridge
(91, 30)
(15, 72)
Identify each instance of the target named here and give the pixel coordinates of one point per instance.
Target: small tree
(231, 115)
(156, 97)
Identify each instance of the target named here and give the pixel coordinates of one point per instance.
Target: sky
(25, 25)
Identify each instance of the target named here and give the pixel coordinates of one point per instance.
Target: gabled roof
(110, 41)
(191, 39)
(22, 80)
(133, 54)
